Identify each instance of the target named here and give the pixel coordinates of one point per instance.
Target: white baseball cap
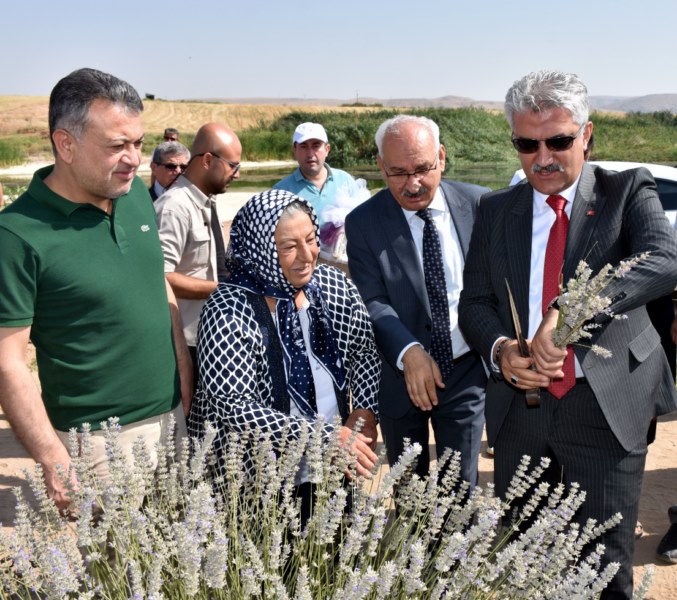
(310, 131)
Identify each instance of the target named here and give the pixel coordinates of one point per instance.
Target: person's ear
(64, 143)
(379, 162)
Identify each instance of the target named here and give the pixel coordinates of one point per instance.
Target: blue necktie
(436, 287)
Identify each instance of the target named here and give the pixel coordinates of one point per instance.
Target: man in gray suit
(595, 431)
(429, 371)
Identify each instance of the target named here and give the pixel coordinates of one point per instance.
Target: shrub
(186, 540)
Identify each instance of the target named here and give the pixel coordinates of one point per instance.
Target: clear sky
(366, 48)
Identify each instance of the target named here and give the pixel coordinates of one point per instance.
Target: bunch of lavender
(582, 301)
(166, 527)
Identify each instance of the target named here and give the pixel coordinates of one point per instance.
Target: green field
(477, 140)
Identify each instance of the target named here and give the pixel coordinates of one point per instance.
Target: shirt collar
(159, 190)
(299, 176)
(438, 206)
(198, 197)
(41, 192)
(540, 200)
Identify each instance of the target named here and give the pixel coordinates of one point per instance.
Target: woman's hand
(363, 457)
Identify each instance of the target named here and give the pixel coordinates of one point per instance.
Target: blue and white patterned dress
(239, 387)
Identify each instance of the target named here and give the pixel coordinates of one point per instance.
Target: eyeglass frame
(405, 175)
(565, 140)
(231, 164)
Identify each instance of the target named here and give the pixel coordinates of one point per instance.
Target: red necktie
(552, 270)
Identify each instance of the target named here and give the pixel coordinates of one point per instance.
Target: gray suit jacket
(614, 216)
(384, 266)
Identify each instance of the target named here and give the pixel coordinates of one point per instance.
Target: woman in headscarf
(284, 340)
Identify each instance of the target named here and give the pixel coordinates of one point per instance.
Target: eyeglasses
(174, 166)
(169, 138)
(559, 143)
(405, 175)
(232, 165)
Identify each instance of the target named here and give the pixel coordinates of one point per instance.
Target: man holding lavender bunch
(594, 410)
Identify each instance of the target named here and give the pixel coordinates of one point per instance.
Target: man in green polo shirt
(83, 279)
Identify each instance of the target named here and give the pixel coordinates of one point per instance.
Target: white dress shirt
(543, 219)
(453, 264)
(325, 394)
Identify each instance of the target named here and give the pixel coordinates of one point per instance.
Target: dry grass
(28, 114)
(23, 115)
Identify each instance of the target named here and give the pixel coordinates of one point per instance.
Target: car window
(667, 191)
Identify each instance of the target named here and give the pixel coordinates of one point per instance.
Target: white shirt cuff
(400, 364)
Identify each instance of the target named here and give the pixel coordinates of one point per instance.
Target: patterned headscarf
(254, 266)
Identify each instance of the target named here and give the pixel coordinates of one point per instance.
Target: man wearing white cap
(315, 180)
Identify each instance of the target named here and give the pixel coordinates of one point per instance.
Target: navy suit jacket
(614, 216)
(385, 267)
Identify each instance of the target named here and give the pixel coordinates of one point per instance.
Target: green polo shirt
(92, 289)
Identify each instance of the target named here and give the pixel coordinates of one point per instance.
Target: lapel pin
(590, 213)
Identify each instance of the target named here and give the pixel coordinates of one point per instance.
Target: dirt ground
(659, 492)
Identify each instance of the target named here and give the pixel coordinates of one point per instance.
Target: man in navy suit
(594, 412)
(385, 248)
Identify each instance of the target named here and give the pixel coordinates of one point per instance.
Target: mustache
(549, 169)
(421, 192)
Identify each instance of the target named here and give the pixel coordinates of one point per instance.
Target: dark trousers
(457, 420)
(192, 350)
(575, 435)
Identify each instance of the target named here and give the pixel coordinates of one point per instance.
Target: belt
(463, 357)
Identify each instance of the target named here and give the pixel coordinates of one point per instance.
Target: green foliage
(12, 191)
(470, 135)
(15, 149)
(10, 154)
(263, 144)
(639, 137)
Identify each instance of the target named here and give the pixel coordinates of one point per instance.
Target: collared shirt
(90, 287)
(543, 220)
(184, 223)
(337, 182)
(453, 263)
(159, 190)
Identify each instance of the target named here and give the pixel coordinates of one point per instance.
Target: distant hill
(443, 102)
(650, 103)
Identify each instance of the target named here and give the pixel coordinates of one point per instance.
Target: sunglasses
(174, 166)
(559, 143)
(230, 163)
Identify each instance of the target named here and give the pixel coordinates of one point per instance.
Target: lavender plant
(583, 300)
(173, 531)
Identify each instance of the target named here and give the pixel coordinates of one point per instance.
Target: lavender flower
(193, 536)
(583, 301)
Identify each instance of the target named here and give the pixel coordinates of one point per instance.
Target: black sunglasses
(174, 166)
(559, 143)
